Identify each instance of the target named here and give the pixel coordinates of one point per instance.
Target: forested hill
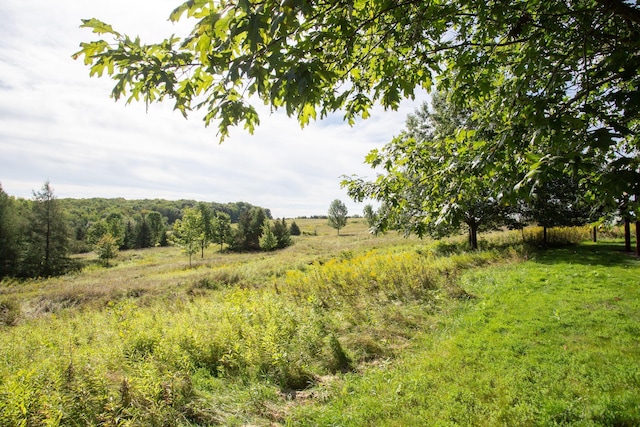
(37, 236)
(96, 208)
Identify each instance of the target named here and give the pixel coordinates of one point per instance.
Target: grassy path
(552, 341)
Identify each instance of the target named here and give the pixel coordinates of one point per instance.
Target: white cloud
(58, 124)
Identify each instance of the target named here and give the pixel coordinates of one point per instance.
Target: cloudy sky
(58, 124)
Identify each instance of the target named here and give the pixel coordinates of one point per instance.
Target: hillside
(95, 208)
(334, 330)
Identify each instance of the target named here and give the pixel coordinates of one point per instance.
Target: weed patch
(10, 312)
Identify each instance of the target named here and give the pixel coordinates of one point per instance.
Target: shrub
(220, 277)
(9, 312)
(294, 230)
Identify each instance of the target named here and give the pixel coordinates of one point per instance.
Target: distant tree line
(170, 209)
(38, 236)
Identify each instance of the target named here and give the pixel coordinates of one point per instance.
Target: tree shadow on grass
(605, 254)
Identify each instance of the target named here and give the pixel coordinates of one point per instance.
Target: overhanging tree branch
(622, 9)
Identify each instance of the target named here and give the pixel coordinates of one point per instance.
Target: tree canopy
(431, 182)
(552, 84)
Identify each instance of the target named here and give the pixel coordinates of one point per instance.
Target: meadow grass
(157, 273)
(335, 330)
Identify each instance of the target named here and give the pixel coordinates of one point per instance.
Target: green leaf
(308, 111)
(180, 10)
(91, 51)
(373, 158)
(99, 27)
(192, 7)
(245, 5)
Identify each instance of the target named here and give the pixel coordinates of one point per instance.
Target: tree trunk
(627, 235)
(544, 236)
(637, 231)
(595, 233)
(638, 238)
(473, 236)
(619, 7)
(47, 245)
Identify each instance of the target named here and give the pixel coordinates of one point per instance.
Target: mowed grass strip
(551, 341)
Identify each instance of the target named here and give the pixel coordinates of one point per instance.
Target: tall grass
(560, 236)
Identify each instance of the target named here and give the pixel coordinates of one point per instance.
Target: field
(349, 330)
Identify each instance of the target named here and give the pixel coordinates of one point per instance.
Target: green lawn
(552, 341)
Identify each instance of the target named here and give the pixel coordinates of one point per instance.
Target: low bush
(10, 312)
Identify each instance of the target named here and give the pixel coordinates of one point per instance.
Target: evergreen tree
(11, 229)
(294, 230)
(281, 232)
(48, 241)
(130, 238)
(143, 233)
(238, 241)
(258, 217)
(249, 230)
(164, 239)
(155, 220)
